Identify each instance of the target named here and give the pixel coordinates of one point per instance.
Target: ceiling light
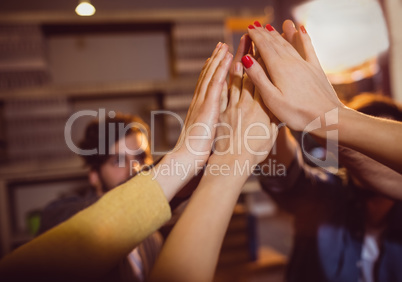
(85, 8)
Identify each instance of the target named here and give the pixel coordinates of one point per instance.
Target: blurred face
(128, 156)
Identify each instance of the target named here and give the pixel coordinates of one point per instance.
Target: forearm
(92, 242)
(371, 174)
(377, 138)
(196, 239)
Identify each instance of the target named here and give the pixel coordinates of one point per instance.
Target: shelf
(138, 16)
(42, 170)
(107, 90)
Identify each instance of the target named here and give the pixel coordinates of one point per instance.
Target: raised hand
(245, 132)
(297, 90)
(191, 251)
(195, 142)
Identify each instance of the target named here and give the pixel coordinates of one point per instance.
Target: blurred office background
(141, 56)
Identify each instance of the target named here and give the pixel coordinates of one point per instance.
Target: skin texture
(196, 139)
(297, 91)
(191, 250)
(371, 174)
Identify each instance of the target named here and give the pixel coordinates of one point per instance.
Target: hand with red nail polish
(297, 91)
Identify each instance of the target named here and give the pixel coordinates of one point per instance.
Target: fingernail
(257, 24)
(219, 44)
(269, 27)
(238, 67)
(251, 26)
(221, 48)
(303, 29)
(247, 61)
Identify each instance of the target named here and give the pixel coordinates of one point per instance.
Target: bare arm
(368, 172)
(377, 138)
(191, 251)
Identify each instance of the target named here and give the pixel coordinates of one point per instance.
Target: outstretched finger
(257, 95)
(244, 47)
(267, 47)
(271, 95)
(272, 47)
(211, 69)
(206, 66)
(217, 82)
(224, 98)
(258, 98)
(305, 41)
(236, 84)
(289, 33)
(201, 80)
(247, 91)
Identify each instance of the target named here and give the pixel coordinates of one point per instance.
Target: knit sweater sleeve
(91, 243)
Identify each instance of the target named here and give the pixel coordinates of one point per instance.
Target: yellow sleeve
(93, 241)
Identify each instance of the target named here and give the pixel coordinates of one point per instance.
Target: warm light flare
(85, 9)
(345, 34)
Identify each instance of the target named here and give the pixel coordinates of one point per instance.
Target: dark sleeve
(61, 210)
(302, 187)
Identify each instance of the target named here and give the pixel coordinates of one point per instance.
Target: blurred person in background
(347, 225)
(126, 152)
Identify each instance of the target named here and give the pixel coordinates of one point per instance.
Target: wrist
(238, 168)
(223, 179)
(333, 119)
(174, 171)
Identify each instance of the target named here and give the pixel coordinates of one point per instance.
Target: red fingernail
(303, 29)
(251, 26)
(257, 24)
(247, 61)
(269, 27)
